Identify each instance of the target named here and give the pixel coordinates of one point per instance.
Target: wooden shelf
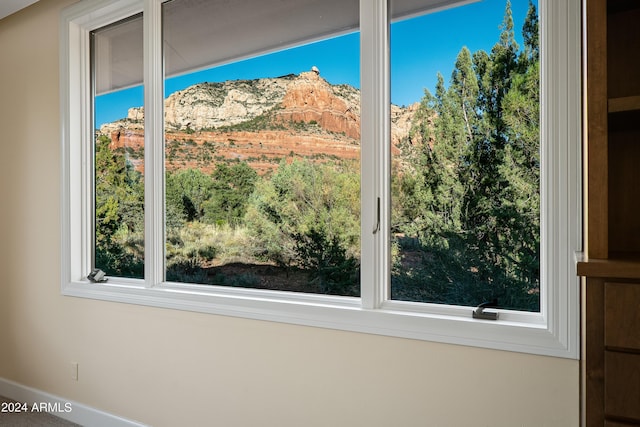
(618, 266)
(611, 290)
(627, 103)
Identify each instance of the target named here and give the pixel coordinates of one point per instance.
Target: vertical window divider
(153, 144)
(375, 137)
(87, 180)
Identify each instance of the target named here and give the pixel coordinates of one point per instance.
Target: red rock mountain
(259, 121)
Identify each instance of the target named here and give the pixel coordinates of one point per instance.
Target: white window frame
(554, 331)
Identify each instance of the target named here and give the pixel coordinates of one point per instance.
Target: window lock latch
(479, 312)
(97, 276)
(377, 227)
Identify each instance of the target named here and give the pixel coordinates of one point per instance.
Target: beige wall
(170, 368)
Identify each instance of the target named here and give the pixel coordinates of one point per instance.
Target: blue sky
(420, 48)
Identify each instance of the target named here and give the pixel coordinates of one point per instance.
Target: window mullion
(375, 121)
(87, 180)
(153, 144)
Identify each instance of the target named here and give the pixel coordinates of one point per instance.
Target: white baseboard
(67, 409)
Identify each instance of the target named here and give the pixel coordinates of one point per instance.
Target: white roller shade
(117, 55)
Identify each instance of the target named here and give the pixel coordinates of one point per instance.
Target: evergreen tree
(444, 161)
(477, 180)
(464, 88)
(531, 36)
(119, 217)
(519, 210)
(487, 154)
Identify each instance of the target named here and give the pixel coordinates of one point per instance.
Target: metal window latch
(377, 227)
(97, 276)
(479, 312)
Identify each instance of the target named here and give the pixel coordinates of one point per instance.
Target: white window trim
(553, 332)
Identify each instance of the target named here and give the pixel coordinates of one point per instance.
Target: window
(262, 153)
(465, 192)
(118, 189)
(192, 206)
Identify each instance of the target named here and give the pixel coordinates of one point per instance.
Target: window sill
(514, 331)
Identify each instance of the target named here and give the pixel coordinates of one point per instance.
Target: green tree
(308, 214)
(332, 268)
(437, 185)
(503, 209)
(488, 150)
(519, 211)
(531, 36)
(187, 191)
(230, 191)
(475, 181)
(119, 217)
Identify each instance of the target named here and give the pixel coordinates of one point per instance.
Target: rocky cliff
(259, 121)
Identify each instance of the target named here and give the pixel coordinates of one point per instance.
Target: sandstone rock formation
(259, 121)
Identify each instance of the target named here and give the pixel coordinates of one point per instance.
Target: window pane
(262, 144)
(466, 156)
(119, 148)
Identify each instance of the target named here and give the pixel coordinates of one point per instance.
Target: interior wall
(168, 368)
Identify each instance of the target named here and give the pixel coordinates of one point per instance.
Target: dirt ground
(261, 276)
